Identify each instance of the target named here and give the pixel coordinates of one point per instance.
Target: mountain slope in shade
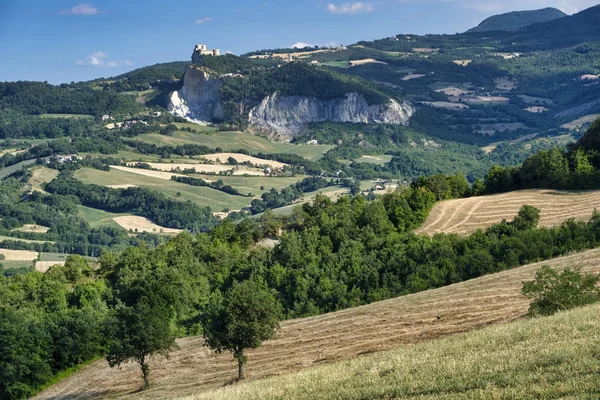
(516, 20)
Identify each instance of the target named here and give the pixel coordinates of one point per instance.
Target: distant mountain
(516, 20)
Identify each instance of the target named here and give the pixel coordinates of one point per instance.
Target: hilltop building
(202, 50)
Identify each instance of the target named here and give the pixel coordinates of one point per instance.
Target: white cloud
(100, 59)
(82, 9)
(351, 8)
(203, 20)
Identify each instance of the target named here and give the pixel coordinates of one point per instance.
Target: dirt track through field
(465, 216)
(301, 343)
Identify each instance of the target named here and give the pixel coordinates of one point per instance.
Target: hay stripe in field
(342, 335)
(465, 216)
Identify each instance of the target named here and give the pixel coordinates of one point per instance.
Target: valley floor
(398, 323)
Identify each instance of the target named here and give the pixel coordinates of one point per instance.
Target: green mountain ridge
(517, 20)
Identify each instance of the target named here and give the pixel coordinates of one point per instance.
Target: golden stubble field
(465, 216)
(404, 321)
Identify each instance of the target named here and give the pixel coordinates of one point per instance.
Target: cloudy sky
(65, 40)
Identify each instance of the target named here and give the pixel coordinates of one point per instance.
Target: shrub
(552, 291)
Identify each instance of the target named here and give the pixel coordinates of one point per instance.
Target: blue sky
(65, 40)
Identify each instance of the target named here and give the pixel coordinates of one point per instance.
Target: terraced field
(404, 321)
(465, 216)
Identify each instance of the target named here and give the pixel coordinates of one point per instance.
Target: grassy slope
(532, 359)
(234, 141)
(476, 364)
(202, 196)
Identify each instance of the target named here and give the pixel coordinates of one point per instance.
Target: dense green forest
(518, 19)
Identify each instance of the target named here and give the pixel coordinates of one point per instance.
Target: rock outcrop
(199, 99)
(287, 115)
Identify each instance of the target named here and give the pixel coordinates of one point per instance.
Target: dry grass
(344, 335)
(465, 216)
(462, 63)
(207, 168)
(44, 266)
(40, 176)
(33, 228)
(536, 109)
(580, 122)
(19, 255)
(141, 224)
(223, 157)
(412, 76)
(486, 100)
(453, 91)
(543, 358)
(147, 172)
(125, 186)
(356, 63)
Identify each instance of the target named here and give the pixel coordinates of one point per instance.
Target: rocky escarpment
(199, 99)
(287, 115)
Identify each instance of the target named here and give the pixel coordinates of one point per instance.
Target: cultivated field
(19, 255)
(223, 157)
(344, 335)
(542, 358)
(377, 160)
(356, 63)
(209, 168)
(536, 109)
(44, 266)
(232, 141)
(40, 176)
(535, 100)
(486, 100)
(144, 172)
(462, 63)
(141, 224)
(410, 77)
(505, 84)
(33, 228)
(465, 216)
(97, 218)
(203, 196)
(581, 122)
(453, 91)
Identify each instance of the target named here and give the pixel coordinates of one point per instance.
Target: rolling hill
(398, 323)
(517, 20)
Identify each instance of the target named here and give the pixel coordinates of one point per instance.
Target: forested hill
(513, 21)
(558, 33)
(34, 98)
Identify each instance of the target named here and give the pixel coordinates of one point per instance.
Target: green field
(231, 141)
(13, 168)
(203, 196)
(544, 358)
(2, 238)
(330, 192)
(253, 184)
(337, 64)
(377, 160)
(73, 116)
(97, 218)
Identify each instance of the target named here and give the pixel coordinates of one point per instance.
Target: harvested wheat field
(125, 186)
(356, 63)
(223, 157)
(147, 172)
(465, 216)
(412, 76)
(44, 266)
(19, 255)
(445, 104)
(536, 109)
(141, 224)
(475, 304)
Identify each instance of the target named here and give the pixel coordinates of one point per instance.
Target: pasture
(377, 160)
(222, 158)
(97, 218)
(39, 176)
(203, 196)
(398, 323)
(465, 216)
(232, 141)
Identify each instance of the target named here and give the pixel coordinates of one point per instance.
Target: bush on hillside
(552, 291)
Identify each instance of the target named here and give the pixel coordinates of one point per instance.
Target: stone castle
(202, 50)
